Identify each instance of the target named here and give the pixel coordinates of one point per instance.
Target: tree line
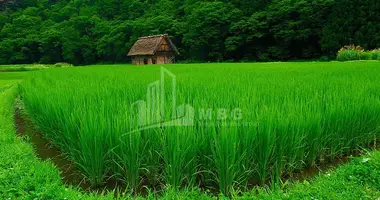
(92, 31)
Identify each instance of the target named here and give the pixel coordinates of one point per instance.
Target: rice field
(251, 123)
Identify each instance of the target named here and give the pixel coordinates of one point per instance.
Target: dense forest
(92, 31)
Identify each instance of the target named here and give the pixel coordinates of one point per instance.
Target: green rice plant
(253, 123)
(205, 159)
(128, 156)
(151, 166)
(179, 153)
(226, 157)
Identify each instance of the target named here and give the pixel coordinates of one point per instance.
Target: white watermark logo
(161, 110)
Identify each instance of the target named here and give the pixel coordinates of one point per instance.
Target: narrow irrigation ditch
(46, 151)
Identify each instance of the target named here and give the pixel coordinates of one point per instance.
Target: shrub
(63, 65)
(350, 52)
(324, 58)
(366, 55)
(346, 55)
(375, 54)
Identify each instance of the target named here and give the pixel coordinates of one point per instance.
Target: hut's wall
(134, 60)
(138, 60)
(164, 57)
(160, 59)
(143, 60)
(164, 46)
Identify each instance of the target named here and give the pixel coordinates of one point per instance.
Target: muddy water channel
(46, 151)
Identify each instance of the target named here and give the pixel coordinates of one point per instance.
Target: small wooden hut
(155, 49)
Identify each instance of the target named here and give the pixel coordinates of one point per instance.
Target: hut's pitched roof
(149, 44)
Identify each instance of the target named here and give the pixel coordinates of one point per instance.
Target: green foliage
(351, 22)
(208, 26)
(375, 54)
(346, 55)
(353, 52)
(84, 32)
(356, 180)
(366, 56)
(324, 58)
(294, 116)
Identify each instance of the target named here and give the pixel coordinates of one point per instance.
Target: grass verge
(31, 67)
(359, 179)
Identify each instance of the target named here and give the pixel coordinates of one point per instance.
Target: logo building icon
(160, 109)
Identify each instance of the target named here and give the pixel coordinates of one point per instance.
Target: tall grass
(294, 115)
(352, 52)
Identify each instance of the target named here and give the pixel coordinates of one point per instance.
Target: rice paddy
(252, 123)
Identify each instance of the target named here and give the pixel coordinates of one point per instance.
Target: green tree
(89, 31)
(207, 29)
(352, 22)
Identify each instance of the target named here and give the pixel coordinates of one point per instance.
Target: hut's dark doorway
(145, 61)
